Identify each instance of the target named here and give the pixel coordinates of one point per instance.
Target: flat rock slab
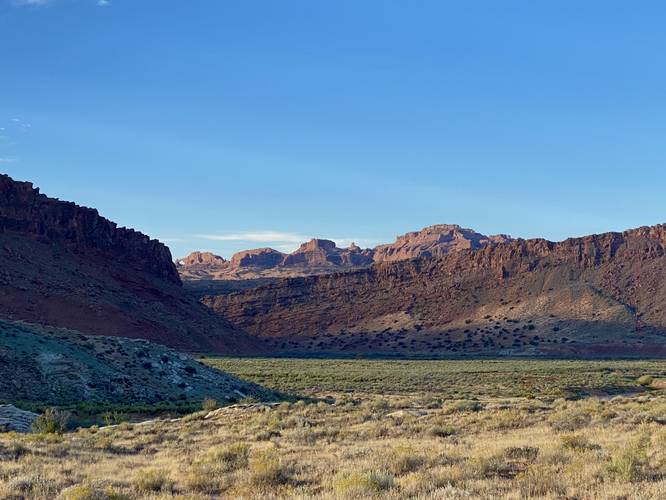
(13, 419)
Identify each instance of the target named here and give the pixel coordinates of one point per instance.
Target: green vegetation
(53, 421)
(449, 379)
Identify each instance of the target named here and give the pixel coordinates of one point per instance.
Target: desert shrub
(528, 453)
(205, 478)
(462, 406)
(83, 492)
(578, 442)
(419, 484)
(53, 421)
(296, 421)
(113, 417)
(492, 466)
(630, 461)
(569, 420)
(607, 415)
(209, 404)
(30, 486)
(645, 380)
(266, 435)
(441, 431)
(249, 400)
(312, 436)
(229, 458)
(379, 405)
(102, 442)
(153, 480)
(125, 426)
(510, 418)
(402, 460)
(12, 450)
(363, 484)
(268, 469)
(538, 482)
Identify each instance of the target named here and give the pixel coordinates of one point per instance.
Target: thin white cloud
(39, 3)
(257, 237)
(287, 247)
(171, 240)
(7, 160)
(361, 242)
(284, 241)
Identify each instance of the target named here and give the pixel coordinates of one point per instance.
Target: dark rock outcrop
(24, 210)
(66, 266)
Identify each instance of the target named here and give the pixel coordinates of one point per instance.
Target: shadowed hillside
(66, 266)
(598, 295)
(56, 366)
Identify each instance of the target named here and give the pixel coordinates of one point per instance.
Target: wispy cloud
(30, 2)
(285, 241)
(7, 160)
(257, 237)
(40, 3)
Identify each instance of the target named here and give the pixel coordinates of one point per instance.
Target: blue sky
(224, 125)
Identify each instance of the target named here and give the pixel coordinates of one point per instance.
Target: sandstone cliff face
(66, 266)
(24, 210)
(201, 259)
(323, 253)
(319, 256)
(434, 241)
(602, 294)
(259, 257)
(314, 257)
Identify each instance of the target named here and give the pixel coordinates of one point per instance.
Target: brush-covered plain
(376, 429)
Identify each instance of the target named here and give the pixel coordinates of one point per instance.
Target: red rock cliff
(25, 210)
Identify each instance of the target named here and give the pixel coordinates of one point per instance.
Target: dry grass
(354, 446)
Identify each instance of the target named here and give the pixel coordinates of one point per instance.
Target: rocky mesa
(600, 295)
(321, 256)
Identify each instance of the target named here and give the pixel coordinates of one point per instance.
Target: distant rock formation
(601, 295)
(319, 253)
(434, 241)
(202, 259)
(320, 256)
(67, 266)
(266, 258)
